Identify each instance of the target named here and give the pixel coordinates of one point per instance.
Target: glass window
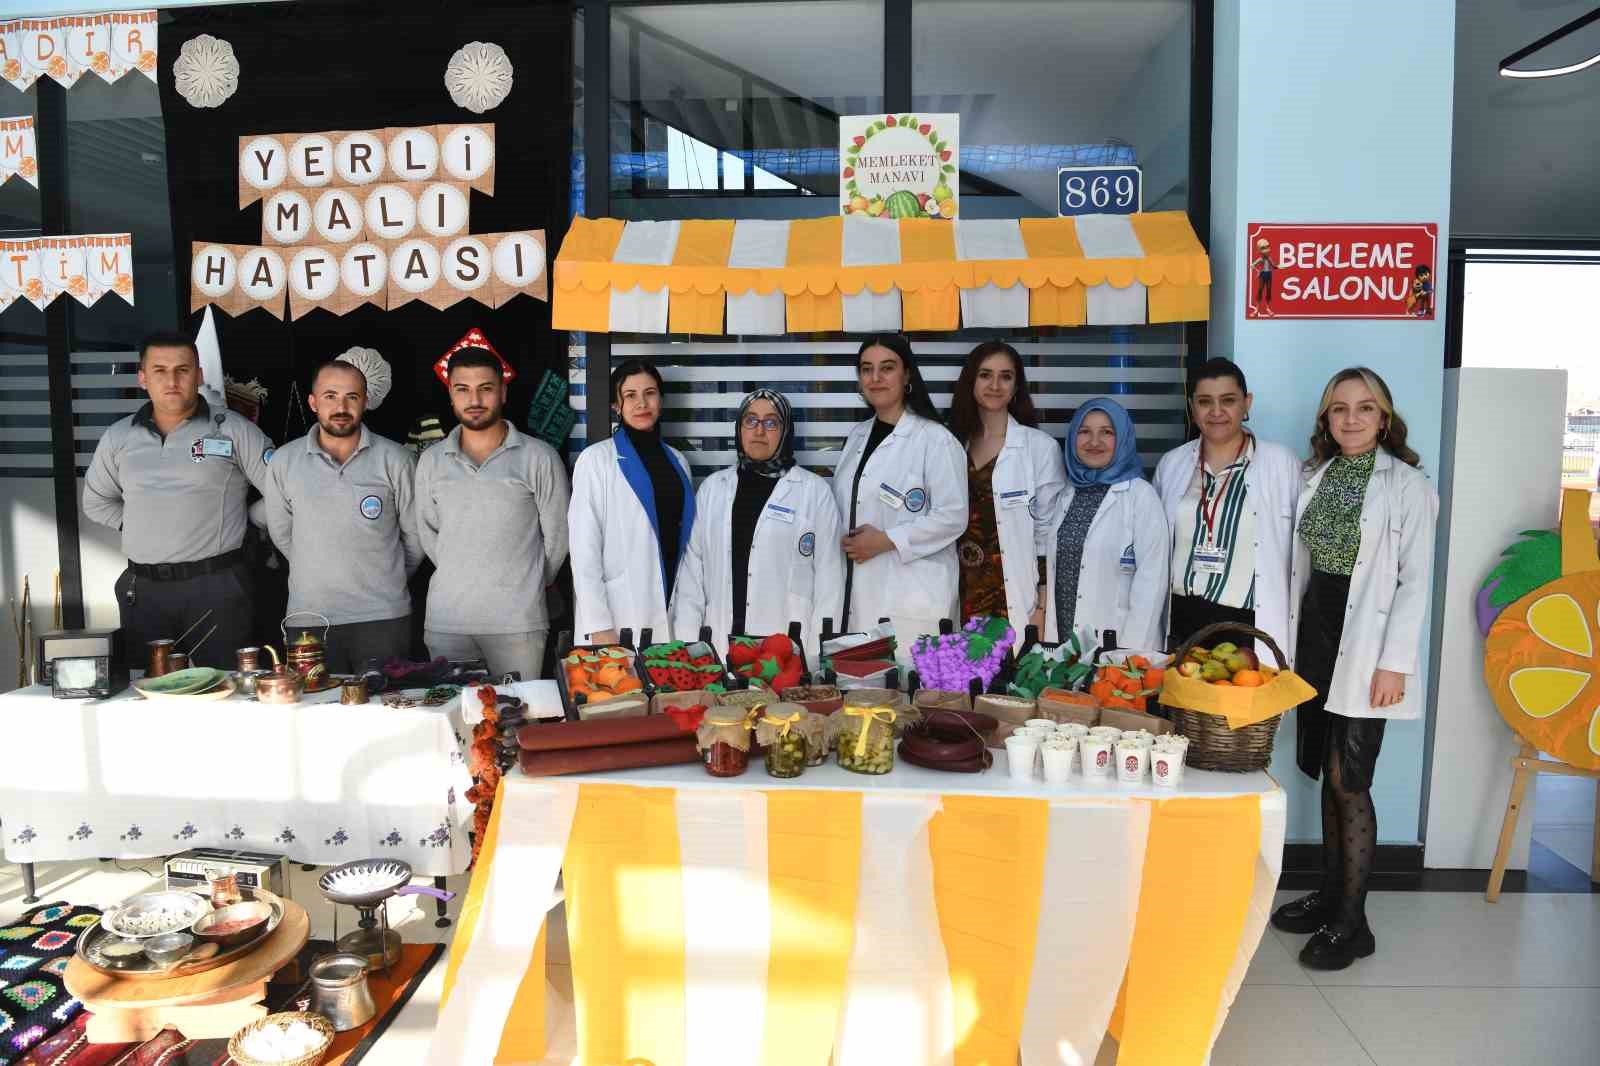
(24, 387)
(710, 111)
(1042, 84)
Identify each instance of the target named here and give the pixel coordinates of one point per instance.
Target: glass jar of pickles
(779, 734)
(724, 741)
(866, 739)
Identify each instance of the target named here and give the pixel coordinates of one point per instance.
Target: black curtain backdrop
(309, 67)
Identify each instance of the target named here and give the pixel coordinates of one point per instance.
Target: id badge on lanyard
(1209, 557)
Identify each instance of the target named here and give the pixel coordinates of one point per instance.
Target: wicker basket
(311, 1058)
(1212, 744)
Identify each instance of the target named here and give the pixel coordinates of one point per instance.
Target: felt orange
(1541, 658)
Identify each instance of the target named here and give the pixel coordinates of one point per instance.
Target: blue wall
(1333, 113)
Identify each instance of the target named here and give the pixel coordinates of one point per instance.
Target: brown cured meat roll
(616, 757)
(601, 732)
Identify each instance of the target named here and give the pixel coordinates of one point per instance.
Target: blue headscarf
(1124, 465)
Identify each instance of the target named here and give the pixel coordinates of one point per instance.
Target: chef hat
(473, 339)
(375, 368)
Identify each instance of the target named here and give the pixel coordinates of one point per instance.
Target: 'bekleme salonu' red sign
(1378, 270)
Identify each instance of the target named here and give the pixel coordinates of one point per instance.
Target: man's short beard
(335, 431)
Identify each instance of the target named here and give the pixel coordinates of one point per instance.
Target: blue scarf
(638, 479)
(1124, 465)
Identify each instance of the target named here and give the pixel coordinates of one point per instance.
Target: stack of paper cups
(1058, 751)
(1133, 759)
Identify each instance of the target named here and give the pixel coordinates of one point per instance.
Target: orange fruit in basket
(1223, 681)
(1249, 679)
(1541, 658)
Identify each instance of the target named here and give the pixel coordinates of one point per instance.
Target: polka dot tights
(1349, 845)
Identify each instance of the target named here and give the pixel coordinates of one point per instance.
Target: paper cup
(1171, 743)
(1058, 759)
(1106, 732)
(1166, 769)
(1033, 731)
(1073, 729)
(1047, 724)
(1021, 752)
(1139, 737)
(1097, 754)
(1133, 759)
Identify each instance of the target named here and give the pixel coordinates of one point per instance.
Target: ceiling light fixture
(1548, 39)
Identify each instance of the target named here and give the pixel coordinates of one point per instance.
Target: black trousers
(1190, 614)
(1318, 731)
(152, 610)
(356, 646)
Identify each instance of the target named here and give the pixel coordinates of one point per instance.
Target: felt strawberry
(777, 645)
(742, 651)
(705, 660)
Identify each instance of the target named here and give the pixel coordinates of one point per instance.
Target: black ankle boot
(1331, 949)
(1306, 914)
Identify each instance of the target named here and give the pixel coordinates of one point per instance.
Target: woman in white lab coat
(764, 551)
(630, 518)
(1362, 578)
(1229, 499)
(1106, 538)
(901, 486)
(1014, 471)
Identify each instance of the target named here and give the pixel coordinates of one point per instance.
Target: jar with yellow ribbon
(866, 738)
(724, 741)
(779, 733)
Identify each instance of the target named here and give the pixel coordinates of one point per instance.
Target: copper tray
(142, 968)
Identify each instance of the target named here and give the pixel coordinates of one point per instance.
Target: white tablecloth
(319, 781)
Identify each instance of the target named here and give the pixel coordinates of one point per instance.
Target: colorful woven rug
(34, 952)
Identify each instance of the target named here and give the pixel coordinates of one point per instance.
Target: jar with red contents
(724, 741)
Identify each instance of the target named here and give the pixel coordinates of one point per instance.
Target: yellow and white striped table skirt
(762, 923)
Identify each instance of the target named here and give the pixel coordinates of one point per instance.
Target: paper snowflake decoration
(478, 76)
(206, 71)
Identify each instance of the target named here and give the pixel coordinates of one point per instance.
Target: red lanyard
(1209, 514)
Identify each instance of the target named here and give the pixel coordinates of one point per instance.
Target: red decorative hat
(473, 339)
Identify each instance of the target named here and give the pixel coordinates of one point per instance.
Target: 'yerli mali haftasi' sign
(1377, 270)
(899, 166)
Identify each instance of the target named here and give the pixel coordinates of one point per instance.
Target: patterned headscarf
(783, 458)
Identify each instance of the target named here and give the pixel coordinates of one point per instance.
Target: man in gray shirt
(492, 513)
(173, 477)
(338, 503)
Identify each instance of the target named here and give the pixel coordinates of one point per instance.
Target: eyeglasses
(771, 425)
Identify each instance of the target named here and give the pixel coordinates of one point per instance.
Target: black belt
(184, 571)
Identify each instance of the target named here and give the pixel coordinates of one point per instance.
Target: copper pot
(282, 685)
(306, 652)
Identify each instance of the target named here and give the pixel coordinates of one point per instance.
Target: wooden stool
(213, 1004)
(1528, 765)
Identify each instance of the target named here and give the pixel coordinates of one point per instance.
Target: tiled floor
(1456, 981)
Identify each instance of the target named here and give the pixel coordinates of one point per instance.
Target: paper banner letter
(413, 153)
(19, 273)
(364, 274)
(133, 41)
(62, 270)
(467, 268)
(213, 275)
(442, 209)
(313, 279)
(108, 258)
(413, 271)
(263, 166)
(263, 277)
(519, 265)
(466, 154)
(18, 150)
(360, 158)
(285, 218)
(44, 51)
(391, 212)
(311, 160)
(89, 45)
(11, 55)
(338, 216)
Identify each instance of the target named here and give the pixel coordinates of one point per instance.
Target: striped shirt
(1232, 528)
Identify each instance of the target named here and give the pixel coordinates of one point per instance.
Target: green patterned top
(1331, 526)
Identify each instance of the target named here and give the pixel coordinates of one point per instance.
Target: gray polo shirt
(348, 530)
(176, 498)
(497, 533)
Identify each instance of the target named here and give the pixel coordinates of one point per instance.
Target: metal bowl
(153, 914)
(257, 912)
(168, 947)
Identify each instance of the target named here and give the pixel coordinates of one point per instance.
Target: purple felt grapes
(950, 661)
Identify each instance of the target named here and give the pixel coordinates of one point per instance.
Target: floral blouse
(1331, 526)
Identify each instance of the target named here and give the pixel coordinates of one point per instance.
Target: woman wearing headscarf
(1106, 542)
(766, 549)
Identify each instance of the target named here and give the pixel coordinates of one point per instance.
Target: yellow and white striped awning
(856, 274)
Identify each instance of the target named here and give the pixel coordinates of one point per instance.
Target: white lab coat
(616, 560)
(796, 568)
(1389, 590)
(1125, 573)
(1274, 479)
(914, 488)
(1029, 474)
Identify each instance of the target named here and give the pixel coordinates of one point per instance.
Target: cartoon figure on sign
(1262, 265)
(1420, 302)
